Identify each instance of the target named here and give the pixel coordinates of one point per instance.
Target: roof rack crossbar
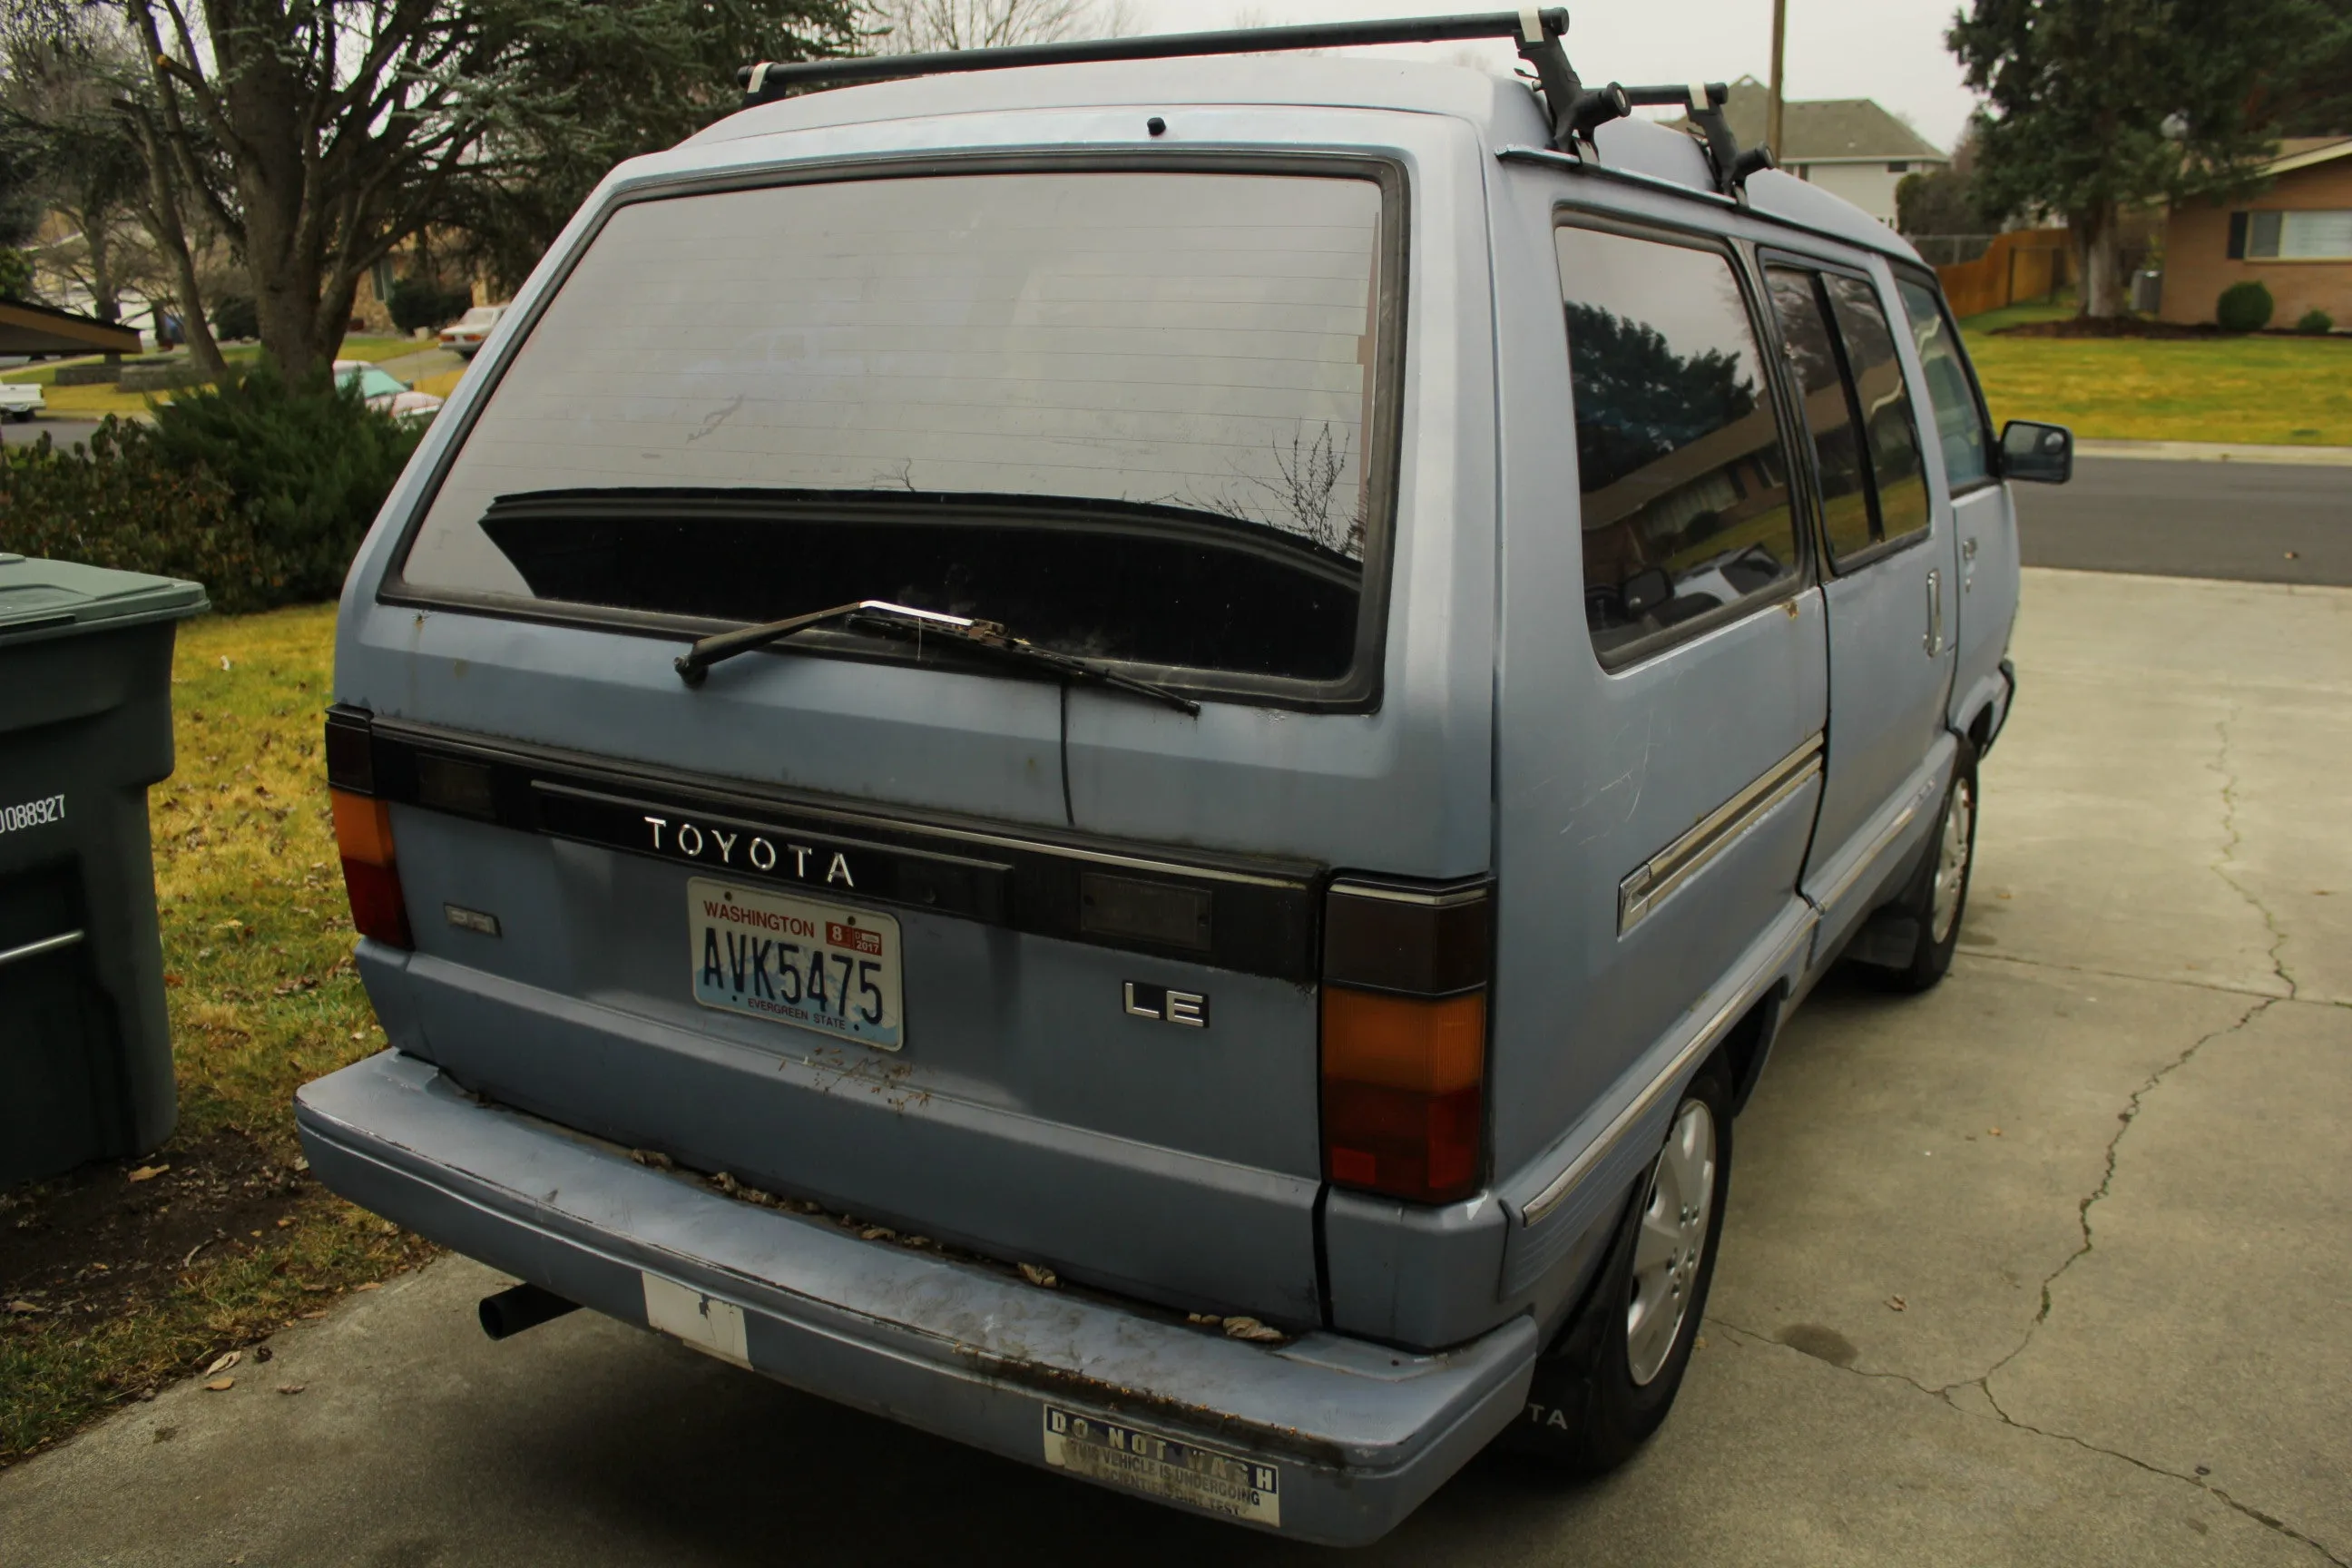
(1704, 101)
(1571, 110)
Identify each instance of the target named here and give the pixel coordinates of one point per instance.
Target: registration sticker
(1163, 1468)
(795, 960)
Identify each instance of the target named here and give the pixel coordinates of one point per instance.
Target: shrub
(2316, 321)
(426, 302)
(236, 316)
(2244, 308)
(308, 465)
(259, 491)
(114, 502)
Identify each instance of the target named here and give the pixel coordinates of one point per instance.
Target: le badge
(1190, 1008)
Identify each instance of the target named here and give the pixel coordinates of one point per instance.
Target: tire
(1908, 945)
(1607, 1382)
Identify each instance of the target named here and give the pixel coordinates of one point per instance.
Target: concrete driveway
(2046, 1267)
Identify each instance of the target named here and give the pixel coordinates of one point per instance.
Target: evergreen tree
(2097, 105)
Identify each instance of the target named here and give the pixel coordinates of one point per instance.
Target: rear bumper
(1357, 1434)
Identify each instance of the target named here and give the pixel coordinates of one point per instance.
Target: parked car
(386, 392)
(465, 335)
(989, 796)
(21, 400)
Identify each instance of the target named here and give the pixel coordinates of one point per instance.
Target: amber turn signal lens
(370, 876)
(1403, 1081)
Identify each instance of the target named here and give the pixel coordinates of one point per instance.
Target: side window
(1896, 465)
(1951, 388)
(1829, 416)
(1686, 485)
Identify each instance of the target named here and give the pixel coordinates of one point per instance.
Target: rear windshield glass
(1126, 415)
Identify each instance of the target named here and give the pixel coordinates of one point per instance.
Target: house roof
(28, 328)
(1822, 130)
(2303, 151)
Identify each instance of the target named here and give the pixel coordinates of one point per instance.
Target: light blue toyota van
(1132, 758)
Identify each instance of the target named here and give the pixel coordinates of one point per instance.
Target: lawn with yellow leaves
(127, 1274)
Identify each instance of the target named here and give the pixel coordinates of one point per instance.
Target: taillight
(363, 832)
(1404, 1039)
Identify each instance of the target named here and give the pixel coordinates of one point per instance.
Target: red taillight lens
(371, 875)
(1404, 1038)
(1403, 1092)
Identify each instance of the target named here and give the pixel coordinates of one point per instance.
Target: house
(1848, 146)
(2293, 234)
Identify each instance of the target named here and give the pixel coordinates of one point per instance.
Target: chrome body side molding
(1654, 881)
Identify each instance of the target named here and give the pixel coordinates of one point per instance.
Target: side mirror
(1644, 591)
(2039, 454)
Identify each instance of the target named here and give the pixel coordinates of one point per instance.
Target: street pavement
(2047, 1266)
(2245, 522)
(62, 432)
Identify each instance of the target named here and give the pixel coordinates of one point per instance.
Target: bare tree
(924, 27)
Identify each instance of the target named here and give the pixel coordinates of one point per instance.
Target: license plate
(794, 961)
(1158, 1467)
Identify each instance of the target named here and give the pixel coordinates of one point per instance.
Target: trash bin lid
(61, 598)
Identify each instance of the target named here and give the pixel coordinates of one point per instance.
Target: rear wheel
(1609, 1379)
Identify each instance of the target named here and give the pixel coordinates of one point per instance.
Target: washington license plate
(794, 961)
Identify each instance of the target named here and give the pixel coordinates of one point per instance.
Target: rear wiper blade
(986, 637)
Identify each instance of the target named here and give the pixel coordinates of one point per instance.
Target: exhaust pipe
(510, 1312)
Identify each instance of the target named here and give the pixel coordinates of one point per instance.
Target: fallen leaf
(2290, 555)
(283, 1223)
(1040, 1276)
(311, 1316)
(726, 1184)
(914, 1241)
(264, 1353)
(877, 1233)
(1897, 1303)
(23, 1307)
(148, 1173)
(371, 1285)
(221, 1363)
(220, 1385)
(292, 1387)
(1206, 1319)
(649, 1157)
(1992, 1132)
(1252, 1329)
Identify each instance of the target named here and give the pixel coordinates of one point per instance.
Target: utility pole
(1772, 108)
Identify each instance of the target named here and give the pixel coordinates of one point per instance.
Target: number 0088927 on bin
(794, 961)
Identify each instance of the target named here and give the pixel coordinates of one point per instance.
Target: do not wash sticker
(1163, 1468)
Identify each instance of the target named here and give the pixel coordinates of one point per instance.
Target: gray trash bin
(85, 727)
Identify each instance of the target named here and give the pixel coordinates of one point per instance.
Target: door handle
(1934, 640)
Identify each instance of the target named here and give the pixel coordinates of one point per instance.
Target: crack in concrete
(2129, 1114)
(1983, 1385)
(2222, 868)
(2222, 987)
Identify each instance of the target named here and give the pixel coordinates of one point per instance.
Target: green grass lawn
(2265, 390)
(97, 402)
(256, 951)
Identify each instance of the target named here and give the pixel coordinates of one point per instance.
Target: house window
(2291, 236)
(1898, 168)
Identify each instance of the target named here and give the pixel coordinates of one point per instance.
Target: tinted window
(1951, 389)
(1686, 486)
(1125, 414)
(1899, 473)
(1829, 416)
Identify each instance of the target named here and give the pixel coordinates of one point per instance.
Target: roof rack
(1704, 101)
(1574, 110)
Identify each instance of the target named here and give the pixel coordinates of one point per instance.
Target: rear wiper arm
(986, 638)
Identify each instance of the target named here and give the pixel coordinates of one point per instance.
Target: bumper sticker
(705, 1322)
(1163, 1468)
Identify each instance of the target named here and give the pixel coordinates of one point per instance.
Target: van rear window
(1127, 415)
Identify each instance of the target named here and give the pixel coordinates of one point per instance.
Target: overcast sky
(1892, 51)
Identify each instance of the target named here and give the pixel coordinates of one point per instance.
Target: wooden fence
(2028, 264)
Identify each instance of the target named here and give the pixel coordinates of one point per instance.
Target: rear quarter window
(1135, 415)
